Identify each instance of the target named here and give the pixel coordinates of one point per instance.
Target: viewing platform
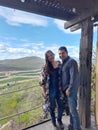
(48, 126)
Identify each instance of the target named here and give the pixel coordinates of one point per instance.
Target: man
(70, 84)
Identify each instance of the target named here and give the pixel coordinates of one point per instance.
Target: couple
(57, 77)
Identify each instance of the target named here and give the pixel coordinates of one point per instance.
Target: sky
(24, 34)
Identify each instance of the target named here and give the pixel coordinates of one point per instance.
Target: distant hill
(26, 63)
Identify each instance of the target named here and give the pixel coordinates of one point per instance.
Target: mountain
(26, 63)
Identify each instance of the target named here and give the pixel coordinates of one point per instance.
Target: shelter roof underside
(70, 10)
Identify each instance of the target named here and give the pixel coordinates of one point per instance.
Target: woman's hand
(44, 95)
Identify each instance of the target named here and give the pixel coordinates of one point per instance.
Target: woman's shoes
(70, 127)
(54, 126)
(60, 123)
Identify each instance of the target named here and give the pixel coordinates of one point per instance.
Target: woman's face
(50, 57)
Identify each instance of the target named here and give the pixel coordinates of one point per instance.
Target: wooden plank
(96, 105)
(96, 87)
(85, 73)
(75, 27)
(55, 9)
(77, 3)
(37, 8)
(82, 16)
(96, 18)
(66, 3)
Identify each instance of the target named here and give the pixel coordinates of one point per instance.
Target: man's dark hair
(63, 48)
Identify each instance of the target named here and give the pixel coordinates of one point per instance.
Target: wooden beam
(77, 3)
(96, 100)
(85, 73)
(75, 27)
(82, 16)
(37, 8)
(66, 3)
(51, 8)
(96, 18)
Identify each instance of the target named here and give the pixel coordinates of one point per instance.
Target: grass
(15, 79)
(2, 77)
(24, 100)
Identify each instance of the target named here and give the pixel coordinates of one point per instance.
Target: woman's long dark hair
(49, 66)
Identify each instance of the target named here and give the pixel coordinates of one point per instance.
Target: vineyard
(20, 94)
(21, 97)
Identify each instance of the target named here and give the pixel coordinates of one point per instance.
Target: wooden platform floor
(47, 125)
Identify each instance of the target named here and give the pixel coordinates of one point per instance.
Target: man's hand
(67, 92)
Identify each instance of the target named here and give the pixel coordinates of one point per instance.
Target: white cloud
(10, 51)
(73, 51)
(2, 48)
(60, 25)
(16, 17)
(18, 50)
(1, 45)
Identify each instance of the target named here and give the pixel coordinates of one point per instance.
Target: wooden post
(85, 73)
(96, 105)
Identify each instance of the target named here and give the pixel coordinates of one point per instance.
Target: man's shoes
(60, 124)
(70, 127)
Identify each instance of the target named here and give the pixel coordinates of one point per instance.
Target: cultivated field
(20, 98)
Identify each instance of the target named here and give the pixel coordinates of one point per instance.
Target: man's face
(62, 54)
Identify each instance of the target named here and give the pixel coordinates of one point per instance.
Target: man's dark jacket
(69, 74)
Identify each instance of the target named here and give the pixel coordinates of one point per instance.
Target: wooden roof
(74, 11)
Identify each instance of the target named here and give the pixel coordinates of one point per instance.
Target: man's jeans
(74, 117)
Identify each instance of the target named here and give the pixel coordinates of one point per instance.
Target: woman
(51, 88)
